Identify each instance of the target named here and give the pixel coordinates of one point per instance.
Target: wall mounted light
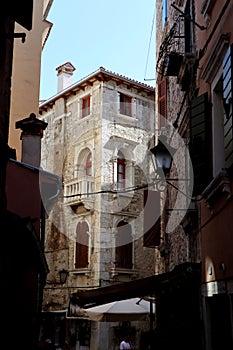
(163, 154)
(63, 274)
(162, 157)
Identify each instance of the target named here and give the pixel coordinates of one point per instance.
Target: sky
(117, 35)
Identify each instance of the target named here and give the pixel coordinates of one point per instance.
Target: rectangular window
(126, 105)
(82, 239)
(124, 246)
(86, 103)
(120, 173)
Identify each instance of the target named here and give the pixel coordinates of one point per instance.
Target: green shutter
(200, 142)
(227, 101)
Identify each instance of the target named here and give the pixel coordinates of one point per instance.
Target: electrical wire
(152, 27)
(128, 189)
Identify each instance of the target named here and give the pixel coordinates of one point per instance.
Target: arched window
(121, 166)
(124, 246)
(82, 240)
(89, 164)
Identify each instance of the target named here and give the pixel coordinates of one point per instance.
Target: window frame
(86, 106)
(82, 246)
(121, 174)
(123, 252)
(126, 104)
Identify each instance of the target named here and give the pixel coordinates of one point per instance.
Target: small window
(126, 105)
(121, 171)
(86, 103)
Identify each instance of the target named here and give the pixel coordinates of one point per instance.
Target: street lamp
(63, 274)
(163, 156)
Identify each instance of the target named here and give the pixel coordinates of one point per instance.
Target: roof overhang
(101, 75)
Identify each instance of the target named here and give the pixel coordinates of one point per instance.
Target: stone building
(176, 86)
(97, 140)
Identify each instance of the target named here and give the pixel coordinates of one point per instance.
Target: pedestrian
(125, 344)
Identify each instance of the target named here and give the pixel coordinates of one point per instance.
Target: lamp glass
(63, 275)
(162, 157)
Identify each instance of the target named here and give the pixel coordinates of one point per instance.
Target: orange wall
(217, 239)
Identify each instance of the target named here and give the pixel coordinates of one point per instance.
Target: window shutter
(152, 224)
(162, 102)
(124, 246)
(187, 28)
(200, 142)
(82, 246)
(227, 101)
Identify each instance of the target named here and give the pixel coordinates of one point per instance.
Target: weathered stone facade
(96, 199)
(182, 245)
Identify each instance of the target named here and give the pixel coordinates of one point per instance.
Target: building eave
(102, 75)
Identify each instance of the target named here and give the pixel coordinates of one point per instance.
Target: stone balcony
(79, 190)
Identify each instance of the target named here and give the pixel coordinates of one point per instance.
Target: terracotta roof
(67, 64)
(101, 74)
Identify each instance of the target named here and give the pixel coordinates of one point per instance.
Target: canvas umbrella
(122, 310)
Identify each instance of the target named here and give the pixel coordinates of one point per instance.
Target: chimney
(64, 74)
(32, 132)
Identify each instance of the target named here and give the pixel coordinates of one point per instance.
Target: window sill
(82, 271)
(126, 118)
(87, 117)
(121, 271)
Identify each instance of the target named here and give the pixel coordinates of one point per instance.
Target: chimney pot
(64, 74)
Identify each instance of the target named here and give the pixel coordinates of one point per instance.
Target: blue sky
(117, 35)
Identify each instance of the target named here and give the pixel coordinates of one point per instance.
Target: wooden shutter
(227, 101)
(162, 102)
(152, 220)
(86, 103)
(200, 142)
(82, 245)
(124, 246)
(187, 28)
